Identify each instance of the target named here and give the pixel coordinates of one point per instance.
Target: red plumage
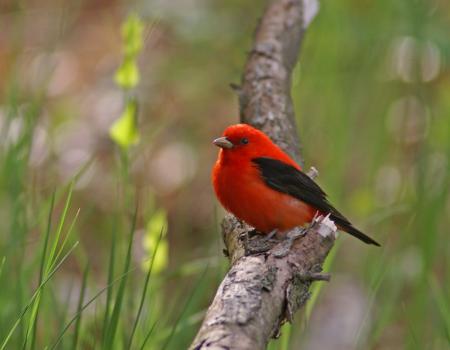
(261, 185)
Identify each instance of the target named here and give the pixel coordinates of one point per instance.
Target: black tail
(346, 226)
(287, 179)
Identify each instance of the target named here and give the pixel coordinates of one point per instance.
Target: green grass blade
(144, 291)
(85, 306)
(64, 242)
(51, 261)
(52, 254)
(36, 293)
(317, 287)
(191, 295)
(147, 337)
(285, 337)
(41, 268)
(112, 329)
(112, 258)
(79, 307)
(33, 315)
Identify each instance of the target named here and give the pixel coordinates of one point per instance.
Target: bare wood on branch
(267, 282)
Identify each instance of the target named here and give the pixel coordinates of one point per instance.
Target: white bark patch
(326, 226)
(310, 10)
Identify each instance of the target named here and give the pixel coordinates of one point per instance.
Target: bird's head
(243, 140)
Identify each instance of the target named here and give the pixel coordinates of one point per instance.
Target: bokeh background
(372, 95)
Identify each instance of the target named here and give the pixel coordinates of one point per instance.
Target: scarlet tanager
(261, 185)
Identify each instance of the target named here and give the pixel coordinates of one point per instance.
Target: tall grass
(37, 248)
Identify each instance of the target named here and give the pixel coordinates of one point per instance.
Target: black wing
(287, 179)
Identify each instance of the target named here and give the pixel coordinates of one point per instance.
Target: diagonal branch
(265, 99)
(267, 283)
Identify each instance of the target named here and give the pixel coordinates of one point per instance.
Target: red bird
(261, 185)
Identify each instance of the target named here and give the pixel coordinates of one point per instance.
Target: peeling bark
(263, 288)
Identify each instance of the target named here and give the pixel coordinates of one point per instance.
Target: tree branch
(268, 282)
(264, 96)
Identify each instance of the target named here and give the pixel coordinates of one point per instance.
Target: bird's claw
(272, 234)
(255, 245)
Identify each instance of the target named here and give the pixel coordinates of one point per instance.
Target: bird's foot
(287, 243)
(256, 243)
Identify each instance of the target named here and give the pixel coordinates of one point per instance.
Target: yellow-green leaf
(124, 131)
(156, 232)
(132, 35)
(127, 75)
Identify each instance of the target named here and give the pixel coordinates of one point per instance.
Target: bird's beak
(223, 142)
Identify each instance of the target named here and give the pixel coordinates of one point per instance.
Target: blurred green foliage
(119, 247)
(127, 76)
(124, 131)
(155, 236)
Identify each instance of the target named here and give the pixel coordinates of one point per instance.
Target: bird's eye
(244, 141)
